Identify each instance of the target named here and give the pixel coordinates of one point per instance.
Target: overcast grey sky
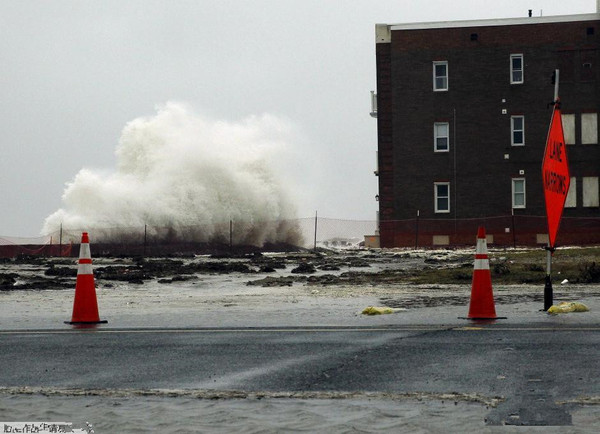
(74, 73)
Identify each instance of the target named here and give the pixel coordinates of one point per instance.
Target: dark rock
(326, 279)
(358, 263)
(176, 279)
(219, 267)
(304, 268)
(40, 284)
(30, 259)
(7, 281)
(125, 274)
(266, 269)
(261, 261)
(60, 271)
(277, 281)
(329, 267)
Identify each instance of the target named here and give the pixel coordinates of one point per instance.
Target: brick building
(463, 110)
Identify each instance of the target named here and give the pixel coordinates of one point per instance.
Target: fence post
(513, 229)
(60, 242)
(316, 219)
(145, 238)
(417, 231)
(231, 236)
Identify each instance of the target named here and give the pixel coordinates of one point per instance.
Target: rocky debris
(329, 267)
(266, 269)
(358, 263)
(321, 267)
(177, 279)
(15, 282)
(7, 281)
(41, 283)
(30, 259)
(146, 270)
(326, 279)
(218, 267)
(124, 274)
(268, 263)
(277, 281)
(60, 271)
(304, 268)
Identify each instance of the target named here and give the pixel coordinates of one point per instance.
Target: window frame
(571, 199)
(589, 128)
(437, 136)
(590, 191)
(569, 128)
(445, 77)
(513, 193)
(513, 130)
(436, 197)
(513, 70)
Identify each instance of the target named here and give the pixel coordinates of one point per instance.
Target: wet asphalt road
(536, 368)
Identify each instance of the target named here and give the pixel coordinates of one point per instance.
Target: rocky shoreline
(323, 267)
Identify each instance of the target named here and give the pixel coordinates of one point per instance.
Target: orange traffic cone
(482, 297)
(85, 307)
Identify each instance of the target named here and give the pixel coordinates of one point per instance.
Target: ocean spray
(185, 176)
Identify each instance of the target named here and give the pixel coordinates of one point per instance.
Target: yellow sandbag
(566, 307)
(372, 310)
(580, 307)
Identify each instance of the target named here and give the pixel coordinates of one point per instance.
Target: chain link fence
(223, 237)
(303, 233)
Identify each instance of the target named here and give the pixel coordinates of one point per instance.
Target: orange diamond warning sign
(555, 174)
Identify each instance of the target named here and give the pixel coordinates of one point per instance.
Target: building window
(518, 193)
(517, 130)
(590, 191)
(442, 197)
(440, 76)
(441, 142)
(568, 124)
(516, 69)
(589, 128)
(571, 200)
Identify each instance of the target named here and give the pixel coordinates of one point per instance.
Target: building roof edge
(494, 22)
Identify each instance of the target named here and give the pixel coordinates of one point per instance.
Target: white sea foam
(186, 176)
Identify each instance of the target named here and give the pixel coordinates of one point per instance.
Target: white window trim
(435, 198)
(442, 89)
(524, 193)
(435, 137)
(520, 56)
(512, 130)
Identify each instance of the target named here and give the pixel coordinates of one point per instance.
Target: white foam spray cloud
(186, 176)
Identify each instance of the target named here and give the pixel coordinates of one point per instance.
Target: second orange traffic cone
(482, 296)
(85, 306)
